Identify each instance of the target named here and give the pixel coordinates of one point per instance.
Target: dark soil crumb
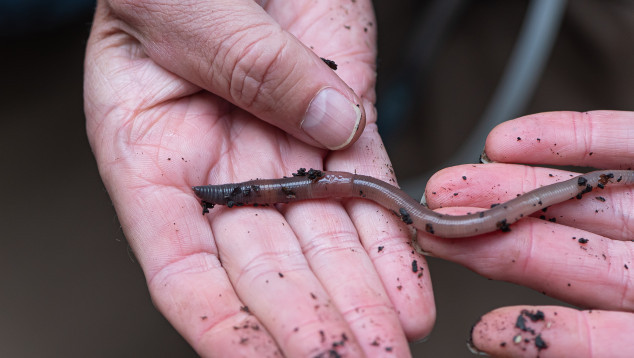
(429, 228)
(245, 309)
(503, 226)
(405, 216)
(206, 206)
(586, 190)
(539, 343)
(290, 194)
(583, 241)
(605, 178)
(536, 316)
(414, 266)
(280, 274)
(312, 174)
(330, 63)
(380, 248)
(521, 324)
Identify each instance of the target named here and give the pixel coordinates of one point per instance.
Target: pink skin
(163, 114)
(543, 255)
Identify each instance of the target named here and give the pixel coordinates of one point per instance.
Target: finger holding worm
(315, 184)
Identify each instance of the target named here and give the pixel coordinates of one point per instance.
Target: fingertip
(529, 331)
(333, 120)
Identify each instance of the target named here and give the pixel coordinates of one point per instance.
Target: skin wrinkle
(209, 329)
(261, 76)
(625, 256)
(326, 243)
(158, 281)
(224, 142)
(625, 279)
(529, 172)
(165, 272)
(267, 264)
(621, 205)
(140, 15)
(186, 240)
(308, 334)
(587, 135)
(300, 31)
(217, 50)
(526, 252)
(583, 315)
(405, 252)
(359, 313)
(401, 242)
(229, 151)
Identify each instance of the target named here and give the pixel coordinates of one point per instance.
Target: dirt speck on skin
(533, 316)
(330, 63)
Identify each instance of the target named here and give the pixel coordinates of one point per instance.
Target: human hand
(582, 252)
(174, 94)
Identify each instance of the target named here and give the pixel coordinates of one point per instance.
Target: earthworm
(316, 184)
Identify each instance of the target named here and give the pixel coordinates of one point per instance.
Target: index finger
(601, 139)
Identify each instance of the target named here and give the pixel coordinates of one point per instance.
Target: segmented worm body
(315, 184)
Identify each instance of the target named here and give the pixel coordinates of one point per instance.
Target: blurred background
(71, 287)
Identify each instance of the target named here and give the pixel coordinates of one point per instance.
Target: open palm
(304, 279)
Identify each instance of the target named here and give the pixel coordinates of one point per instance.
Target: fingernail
(470, 345)
(331, 119)
(484, 158)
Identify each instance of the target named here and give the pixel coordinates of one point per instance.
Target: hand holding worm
(579, 251)
(179, 93)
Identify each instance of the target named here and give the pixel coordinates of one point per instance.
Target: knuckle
(258, 70)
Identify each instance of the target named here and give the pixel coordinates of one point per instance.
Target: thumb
(235, 50)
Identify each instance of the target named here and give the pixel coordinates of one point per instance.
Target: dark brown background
(69, 285)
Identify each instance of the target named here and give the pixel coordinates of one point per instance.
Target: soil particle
(330, 63)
